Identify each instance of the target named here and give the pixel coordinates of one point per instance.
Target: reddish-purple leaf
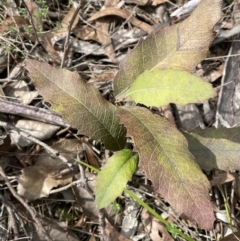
(166, 161)
(80, 103)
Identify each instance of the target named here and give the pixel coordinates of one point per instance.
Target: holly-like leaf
(80, 103)
(161, 87)
(181, 46)
(215, 148)
(165, 160)
(113, 178)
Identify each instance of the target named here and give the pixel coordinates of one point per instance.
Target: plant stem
(159, 217)
(226, 205)
(168, 225)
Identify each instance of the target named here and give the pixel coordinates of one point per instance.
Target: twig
(66, 46)
(35, 140)
(65, 187)
(32, 22)
(13, 79)
(83, 177)
(28, 208)
(31, 112)
(11, 221)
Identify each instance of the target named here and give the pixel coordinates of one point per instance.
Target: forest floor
(43, 197)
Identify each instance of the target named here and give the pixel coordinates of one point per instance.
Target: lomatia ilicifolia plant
(158, 71)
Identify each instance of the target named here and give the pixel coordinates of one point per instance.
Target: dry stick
(28, 208)
(32, 22)
(21, 39)
(31, 112)
(11, 220)
(83, 177)
(35, 140)
(66, 46)
(60, 189)
(12, 79)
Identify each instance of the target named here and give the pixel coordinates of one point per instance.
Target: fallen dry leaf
(33, 10)
(86, 33)
(7, 23)
(84, 199)
(221, 178)
(154, 228)
(37, 129)
(232, 237)
(103, 35)
(37, 181)
(68, 18)
(111, 233)
(123, 14)
(20, 90)
(215, 148)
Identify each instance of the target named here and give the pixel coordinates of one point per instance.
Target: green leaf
(215, 148)
(165, 159)
(80, 103)
(113, 178)
(181, 46)
(161, 87)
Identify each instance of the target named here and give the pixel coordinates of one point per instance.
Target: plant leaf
(215, 148)
(181, 46)
(161, 87)
(112, 179)
(80, 103)
(166, 161)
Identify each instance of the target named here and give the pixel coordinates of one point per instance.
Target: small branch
(35, 140)
(31, 112)
(11, 220)
(32, 22)
(66, 46)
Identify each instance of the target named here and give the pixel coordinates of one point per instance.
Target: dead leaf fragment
(37, 129)
(111, 233)
(123, 14)
(68, 18)
(37, 181)
(215, 149)
(11, 22)
(33, 9)
(21, 92)
(221, 178)
(84, 199)
(153, 227)
(232, 237)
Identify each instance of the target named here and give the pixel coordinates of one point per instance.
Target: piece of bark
(228, 107)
